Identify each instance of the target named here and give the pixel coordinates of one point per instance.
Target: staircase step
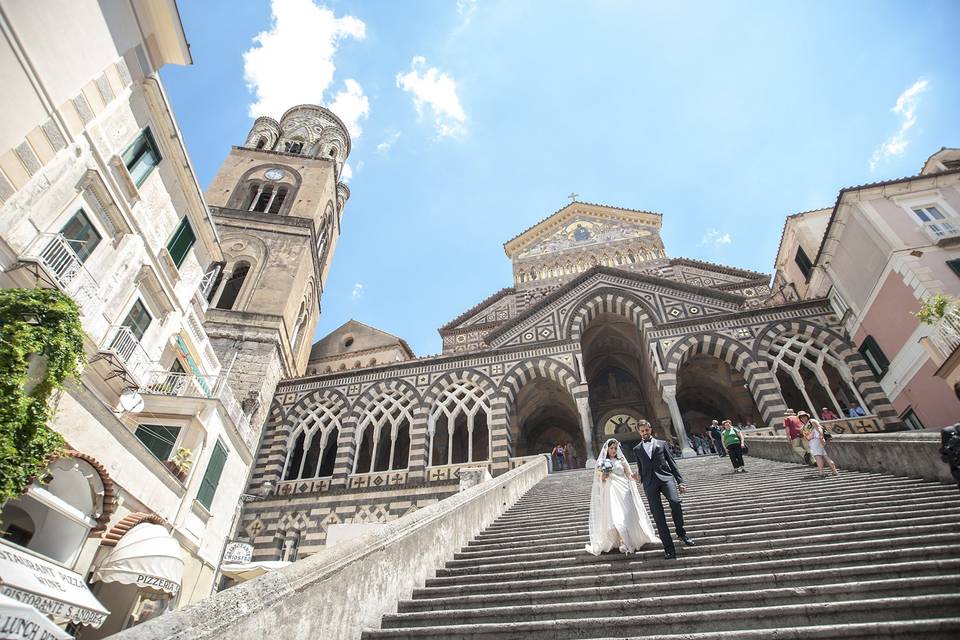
(648, 604)
(732, 619)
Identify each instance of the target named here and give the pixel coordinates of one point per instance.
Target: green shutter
(183, 238)
(159, 439)
(208, 487)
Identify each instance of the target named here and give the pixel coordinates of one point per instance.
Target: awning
(19, 621)
(146, 556)
(243, 571)
(32, 579)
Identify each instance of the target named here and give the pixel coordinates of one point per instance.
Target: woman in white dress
(813, 432)
(618, 519)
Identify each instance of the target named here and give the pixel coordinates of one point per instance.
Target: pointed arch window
(384, 434)
(810, 374)
(231, 289)
(261, 143)
(459, 426)
(312, 448)
(294, 147)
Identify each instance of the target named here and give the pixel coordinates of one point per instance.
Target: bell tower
(277, 202)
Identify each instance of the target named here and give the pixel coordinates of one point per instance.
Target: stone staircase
(780, 554)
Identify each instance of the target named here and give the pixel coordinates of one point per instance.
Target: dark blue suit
(660, 476)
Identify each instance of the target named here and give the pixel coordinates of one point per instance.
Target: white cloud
(436, 90)
(384, 146)
(351, 105)
(357, 291)
(906, 109)
(714, 238)
(346, 173)
(292, 63)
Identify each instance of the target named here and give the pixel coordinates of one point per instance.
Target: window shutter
(179, 245)
(873, 354)
(211, 478)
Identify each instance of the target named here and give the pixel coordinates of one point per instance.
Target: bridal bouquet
(605, 467)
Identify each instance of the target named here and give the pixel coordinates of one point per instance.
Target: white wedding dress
(618, 519)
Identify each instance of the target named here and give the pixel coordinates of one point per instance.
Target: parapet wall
(914, 454)
(338, 592)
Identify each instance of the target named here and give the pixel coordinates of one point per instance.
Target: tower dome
(307, 130)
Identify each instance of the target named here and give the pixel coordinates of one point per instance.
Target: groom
(660, 476)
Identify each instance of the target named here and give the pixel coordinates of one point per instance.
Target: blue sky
(476, 119)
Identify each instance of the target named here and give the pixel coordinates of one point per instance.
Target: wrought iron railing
(65, 268)
(946, 333)
(189, 385)
(122, 342)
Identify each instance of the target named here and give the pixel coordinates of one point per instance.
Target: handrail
(53, 252)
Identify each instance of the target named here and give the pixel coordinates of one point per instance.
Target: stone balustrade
(342, 590)
(914, 454)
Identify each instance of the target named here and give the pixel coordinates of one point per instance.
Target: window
(911, 420)
(929, 214)
(179, 245)
(954, 265)
(261, 143)
(81, 235)
(294, 147)
(263, 200)
(141, 157)
(211, 478)
(137, 320)
(158, 438)
(874, 356)
(278, 200)
(231, 289)
(803, 262)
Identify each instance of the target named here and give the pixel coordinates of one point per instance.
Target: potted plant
(181, 463)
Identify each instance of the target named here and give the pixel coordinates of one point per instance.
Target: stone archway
(545, 416)
(708, 388)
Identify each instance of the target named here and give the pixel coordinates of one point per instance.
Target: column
(419, 445)
(586, 425)
(670, 397)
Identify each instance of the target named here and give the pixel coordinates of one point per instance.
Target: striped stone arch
(864, 382)
(510, 385)
(347, 446)
(606, 300)
(763, 387)
(421, 437)
(273, 447)
(328, 403)
(461, 375)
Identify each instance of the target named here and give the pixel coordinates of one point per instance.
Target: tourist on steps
(815, 436)
(558, 457)
(618, 519)
(570, 456)
(660, 476)
(733, 442)
(795, 435)
(717, 438)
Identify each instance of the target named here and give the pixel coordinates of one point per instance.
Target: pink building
(877, 254)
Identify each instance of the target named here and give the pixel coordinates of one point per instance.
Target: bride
(618, 518)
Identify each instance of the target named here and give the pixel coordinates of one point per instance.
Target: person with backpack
(733, 443)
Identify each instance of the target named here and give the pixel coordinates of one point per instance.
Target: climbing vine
(37, 327)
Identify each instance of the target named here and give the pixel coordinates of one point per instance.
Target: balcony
(942, 232)
(121, 361)
(160, 385)
(62, 268)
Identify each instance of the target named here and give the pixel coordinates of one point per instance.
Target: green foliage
(42, 322)
(933, 309)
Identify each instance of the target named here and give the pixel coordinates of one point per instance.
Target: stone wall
(337, 593)
(914, 454)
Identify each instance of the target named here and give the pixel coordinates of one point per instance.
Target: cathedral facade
(600, 328)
